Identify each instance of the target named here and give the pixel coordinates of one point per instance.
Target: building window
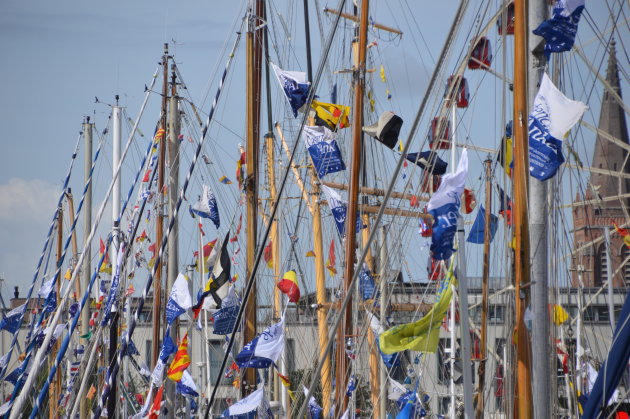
(444, 405)
(148, 351)
(216, 359)
(625, 254)
(601, 266)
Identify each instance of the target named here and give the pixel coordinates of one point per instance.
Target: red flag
(289, 285)
(332, 259)
(152, 250)
(470, 202)
(154, 413)
(268, 255)
(147, 176)
(143, 237)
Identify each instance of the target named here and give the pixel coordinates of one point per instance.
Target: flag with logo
(11, 321)
(339, 209)
(552, 117)
(444, 207)
(265, 349)
(179, 300)
(247, 406)
(225, 317)
(323, 149)
(559, 31)
(295, 86)
(186, 386)
(207, 207)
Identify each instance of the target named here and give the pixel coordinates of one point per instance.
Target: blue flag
(207, 207)
(444, 207)
(295, 86)
(225, 320)
(552, 116)
(179, 301)
(264, 350)
(366, 284)
(168, 346)
(339, 210)
(479, 227)
(559, 31)
(324, 151)
(113, 290)
(186, 386)
(11, 322)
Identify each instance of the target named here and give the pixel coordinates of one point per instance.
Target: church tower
(607, 194)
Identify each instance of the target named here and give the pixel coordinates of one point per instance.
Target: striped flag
(181, 361)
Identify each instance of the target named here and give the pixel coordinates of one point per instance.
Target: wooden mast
(75, 246)
(157, 283)
(55, 389)
(523, 407)
(353, 194)
(253, 73)
(484, 291)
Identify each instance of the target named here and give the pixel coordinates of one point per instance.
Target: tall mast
(523, 408)
(484, 292)
(113, 328)
(159, 229)
(172, 264)
(56, 387)
(87, 226)
(383, 312)
(253, 75)
(353, 194)
(538, 209)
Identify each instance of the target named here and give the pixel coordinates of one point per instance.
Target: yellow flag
(560, 315)
(422, 335)
(383, 78)
(333, 115)
(68, 274)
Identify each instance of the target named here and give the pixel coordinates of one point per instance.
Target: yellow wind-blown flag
(560, 315)
(335, 116)
(181, 361)
(422, 335)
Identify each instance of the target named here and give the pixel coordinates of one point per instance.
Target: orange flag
(332, 259)
(180, 362)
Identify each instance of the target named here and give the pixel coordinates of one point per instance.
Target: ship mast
(523, 406)
(353, 194)
(254, 41)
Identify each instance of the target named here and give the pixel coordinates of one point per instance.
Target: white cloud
(26, 210)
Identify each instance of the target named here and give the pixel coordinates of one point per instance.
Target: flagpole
(202, 267)
(56, 387)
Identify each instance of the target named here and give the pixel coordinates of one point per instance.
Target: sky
(59, 56)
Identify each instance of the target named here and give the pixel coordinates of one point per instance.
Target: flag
(147, 176)
(339, 209)
(623, 233)
(506, 153)
(552, 116)
(11, 321)
(110, 304)
(352, 385)
(295, 86)
(421, 335)
(444, 206)
(246, 405)
(391, 360)
(91, 392)
(209, 255)
(310, 254)
(224, 180)
(186, 386)
(331, 115)
(505, 208)
(478, 229)
(268, 255)
(289, 285)
(409, 411)
(559, 31)
(323, 149)
(106, 266)
(284, 379)
(560, 315)
(470, 202)
(154, 413)
(429, 161)
(143, 237)
(225, 318)
(261, 353)
(207, 207)
(220, 275)
(366, 284)
(181, 361)
(396, 390)
(241, 166)
(332, 259)
(314, 409)
(179, 300)
(68, 274)
(46, 288)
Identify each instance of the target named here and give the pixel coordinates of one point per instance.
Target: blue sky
(57, 56)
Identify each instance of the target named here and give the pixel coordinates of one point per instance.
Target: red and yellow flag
(106, 266)
(268, 255)
(289, 285)
(180, 362)
(284, 379)
(335, 116)
(332, 259)
(623, 233)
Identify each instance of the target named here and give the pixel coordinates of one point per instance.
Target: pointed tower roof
(609, 156)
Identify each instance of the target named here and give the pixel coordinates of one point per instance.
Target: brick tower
(607, 196)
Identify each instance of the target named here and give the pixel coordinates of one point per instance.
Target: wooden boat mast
(254, 41)
(55, 389)
(523, 406)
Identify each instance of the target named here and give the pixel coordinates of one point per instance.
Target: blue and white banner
(225, 320)
(324, 151)
(559, 31)
(179, 301)
(47, 287)
(339, 209)
(295, 86)
(113, 290)
(186, 386)
(552, 117)
(207, 207)
(366, 284)
(245, 407)
(264, 350)
(11, 322)
(444, 207)
(314, 409)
